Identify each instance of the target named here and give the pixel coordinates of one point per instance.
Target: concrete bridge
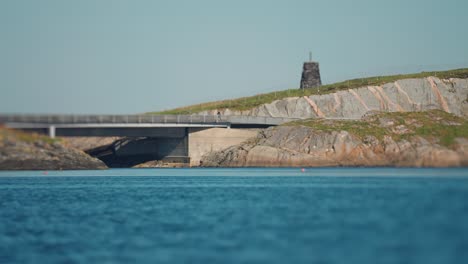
(176, 138)
(131, 125)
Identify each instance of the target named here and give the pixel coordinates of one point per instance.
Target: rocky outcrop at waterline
(407, 95)
(422, 139)
(25, 151)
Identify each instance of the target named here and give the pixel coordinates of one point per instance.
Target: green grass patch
(434, 125)
(246, 103)
(444, 133)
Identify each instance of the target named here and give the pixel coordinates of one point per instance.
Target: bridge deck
(140, 120)
(131, 125)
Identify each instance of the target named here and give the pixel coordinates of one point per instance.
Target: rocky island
(29, 151)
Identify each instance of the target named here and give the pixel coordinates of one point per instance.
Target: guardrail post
(178, 118)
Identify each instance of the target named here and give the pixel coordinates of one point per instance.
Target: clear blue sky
(115, 56)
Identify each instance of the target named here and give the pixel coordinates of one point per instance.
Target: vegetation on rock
(435, 125)
(6, 134)
(246, 103)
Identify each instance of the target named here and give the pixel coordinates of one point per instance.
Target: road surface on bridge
(106, 125)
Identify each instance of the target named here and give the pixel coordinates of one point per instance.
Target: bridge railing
(125, 119)
(141, 119)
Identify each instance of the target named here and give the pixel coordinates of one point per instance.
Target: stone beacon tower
(310, 74)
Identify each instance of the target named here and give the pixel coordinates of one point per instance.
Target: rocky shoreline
(26, 151)
(424, 139)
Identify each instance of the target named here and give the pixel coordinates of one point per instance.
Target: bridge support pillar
(51, 131)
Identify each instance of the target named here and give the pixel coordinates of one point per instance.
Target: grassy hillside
(433, 125)
(246, 103)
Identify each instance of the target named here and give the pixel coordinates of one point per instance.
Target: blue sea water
(335, 215)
